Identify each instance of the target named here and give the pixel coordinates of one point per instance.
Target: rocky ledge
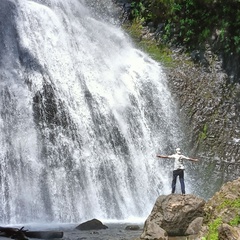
(176, 215)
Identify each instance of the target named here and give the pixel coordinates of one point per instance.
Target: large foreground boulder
(172, 215)
(93, 224)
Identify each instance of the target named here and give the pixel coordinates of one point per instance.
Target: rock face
(222, 213)
(209, 107)
(172, 215)
(225, 202)
(226, 232)
(93, 224)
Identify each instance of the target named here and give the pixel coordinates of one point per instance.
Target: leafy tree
(193, 22)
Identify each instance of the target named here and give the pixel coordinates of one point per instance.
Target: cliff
(209, 106)
(203, 77)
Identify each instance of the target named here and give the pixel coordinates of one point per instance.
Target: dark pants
(180, 173)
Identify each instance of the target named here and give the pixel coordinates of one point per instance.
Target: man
(178, 168)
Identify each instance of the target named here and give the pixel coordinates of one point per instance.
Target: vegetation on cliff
(192, 23)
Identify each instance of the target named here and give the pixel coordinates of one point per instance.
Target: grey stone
(173, 213)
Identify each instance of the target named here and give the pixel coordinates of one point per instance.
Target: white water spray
(83, 114)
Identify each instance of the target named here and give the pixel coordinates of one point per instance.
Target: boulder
(154, 232)
(226, 232)
(93, 224)
(174, 213)
(132, 227)
(195, 226)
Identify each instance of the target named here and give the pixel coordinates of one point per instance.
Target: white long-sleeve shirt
(178, 164)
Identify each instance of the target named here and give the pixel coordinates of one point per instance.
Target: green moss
(213, 229)
(203, 133)
(235, 222)
(214, 224)
(158, 52)
(228, 203)
(134, 29)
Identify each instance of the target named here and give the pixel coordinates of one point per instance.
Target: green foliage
(232, 205)
(228, 203)
(203, 133)
(192, 22)
(235, 221)
(205, 34)
(135, 30)
(157, 51)
(137, 9)
(175, 8)
(213, 229)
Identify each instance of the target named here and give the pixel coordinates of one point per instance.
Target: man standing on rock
(178, 168)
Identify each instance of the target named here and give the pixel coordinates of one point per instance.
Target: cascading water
(82, 115)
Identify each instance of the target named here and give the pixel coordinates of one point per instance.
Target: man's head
(178, 150)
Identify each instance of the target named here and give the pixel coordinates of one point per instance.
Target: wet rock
(132, 227)
(93, 224)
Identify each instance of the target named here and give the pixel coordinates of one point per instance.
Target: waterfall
(82, 115)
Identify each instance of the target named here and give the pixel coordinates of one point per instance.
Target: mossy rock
(223, 207)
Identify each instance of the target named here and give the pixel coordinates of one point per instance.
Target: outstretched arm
(161, 156)
(190, 159)
(193, 159)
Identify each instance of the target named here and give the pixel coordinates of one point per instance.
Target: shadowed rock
(227, 232)
(93, 224)
(132, 227)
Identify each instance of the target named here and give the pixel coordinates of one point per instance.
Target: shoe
(184, 194)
